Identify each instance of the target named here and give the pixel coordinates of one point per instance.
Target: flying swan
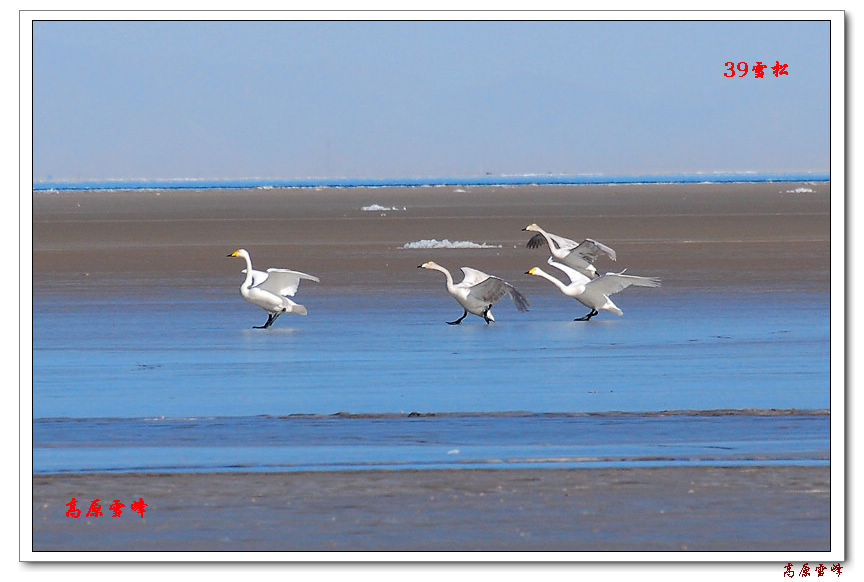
(478, 291)
(580, 256)
(594, 293)
(270, 290)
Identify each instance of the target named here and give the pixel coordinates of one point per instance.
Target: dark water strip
(481, 414)
(605, 414)
(310, 442)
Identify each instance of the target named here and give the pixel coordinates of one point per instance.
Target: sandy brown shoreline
(649, 509)
(694, 236)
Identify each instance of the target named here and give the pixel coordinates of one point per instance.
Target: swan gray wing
(519, 300)
(493, 289)
(284, 282)
(536, 241)
(614, 282)
(589, 249)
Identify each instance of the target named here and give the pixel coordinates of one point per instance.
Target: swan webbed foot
(587, 316)
(271, 317)
(458, 321)
(485, 316)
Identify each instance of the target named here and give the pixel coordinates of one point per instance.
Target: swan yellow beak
(234, 254)
(531, 271)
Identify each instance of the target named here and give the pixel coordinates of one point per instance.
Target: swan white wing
(492, 289)
(539, 240)
(258, 277)
(614, 282)
(565, 244)
(576, 276)
(589, 249)
(284, 281)
(472, 277)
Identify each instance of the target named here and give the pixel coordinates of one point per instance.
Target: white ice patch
(379, 208)
(800, 190)
(427, 243)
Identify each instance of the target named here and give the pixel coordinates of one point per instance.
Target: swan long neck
(549, 241)
(545, 275)
(248, 280)
(446, 274)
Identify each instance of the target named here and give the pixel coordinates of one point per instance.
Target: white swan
(594, 293)
(580, 256)
(269, 290)
(478, 291)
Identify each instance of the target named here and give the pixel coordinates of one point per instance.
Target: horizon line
(484, 180)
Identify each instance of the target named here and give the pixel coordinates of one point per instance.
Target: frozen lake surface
(180, 381)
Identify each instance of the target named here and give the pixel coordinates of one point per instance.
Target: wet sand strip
(765, 508)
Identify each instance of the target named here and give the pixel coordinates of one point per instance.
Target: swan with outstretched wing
(477, 292)
(271, 290)
(593, 293)
(578, 255)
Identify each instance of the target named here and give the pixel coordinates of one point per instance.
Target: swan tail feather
(298, 309)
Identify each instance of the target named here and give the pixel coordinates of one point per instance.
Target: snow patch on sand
(447, 244)
(379, 208)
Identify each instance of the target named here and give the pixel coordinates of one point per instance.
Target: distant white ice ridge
(379, 208)
(800, 190)
(427, 243)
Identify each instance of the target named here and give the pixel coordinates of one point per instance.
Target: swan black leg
(486, 317)
(458, 321)
(271, 317)
(587, 316)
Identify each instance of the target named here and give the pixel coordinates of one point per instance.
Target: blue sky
(228, 100)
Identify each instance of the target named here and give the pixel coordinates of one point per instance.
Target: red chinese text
(741, 68)
(73, 511)
(95, 509)
(139, 507)
(116, 508)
